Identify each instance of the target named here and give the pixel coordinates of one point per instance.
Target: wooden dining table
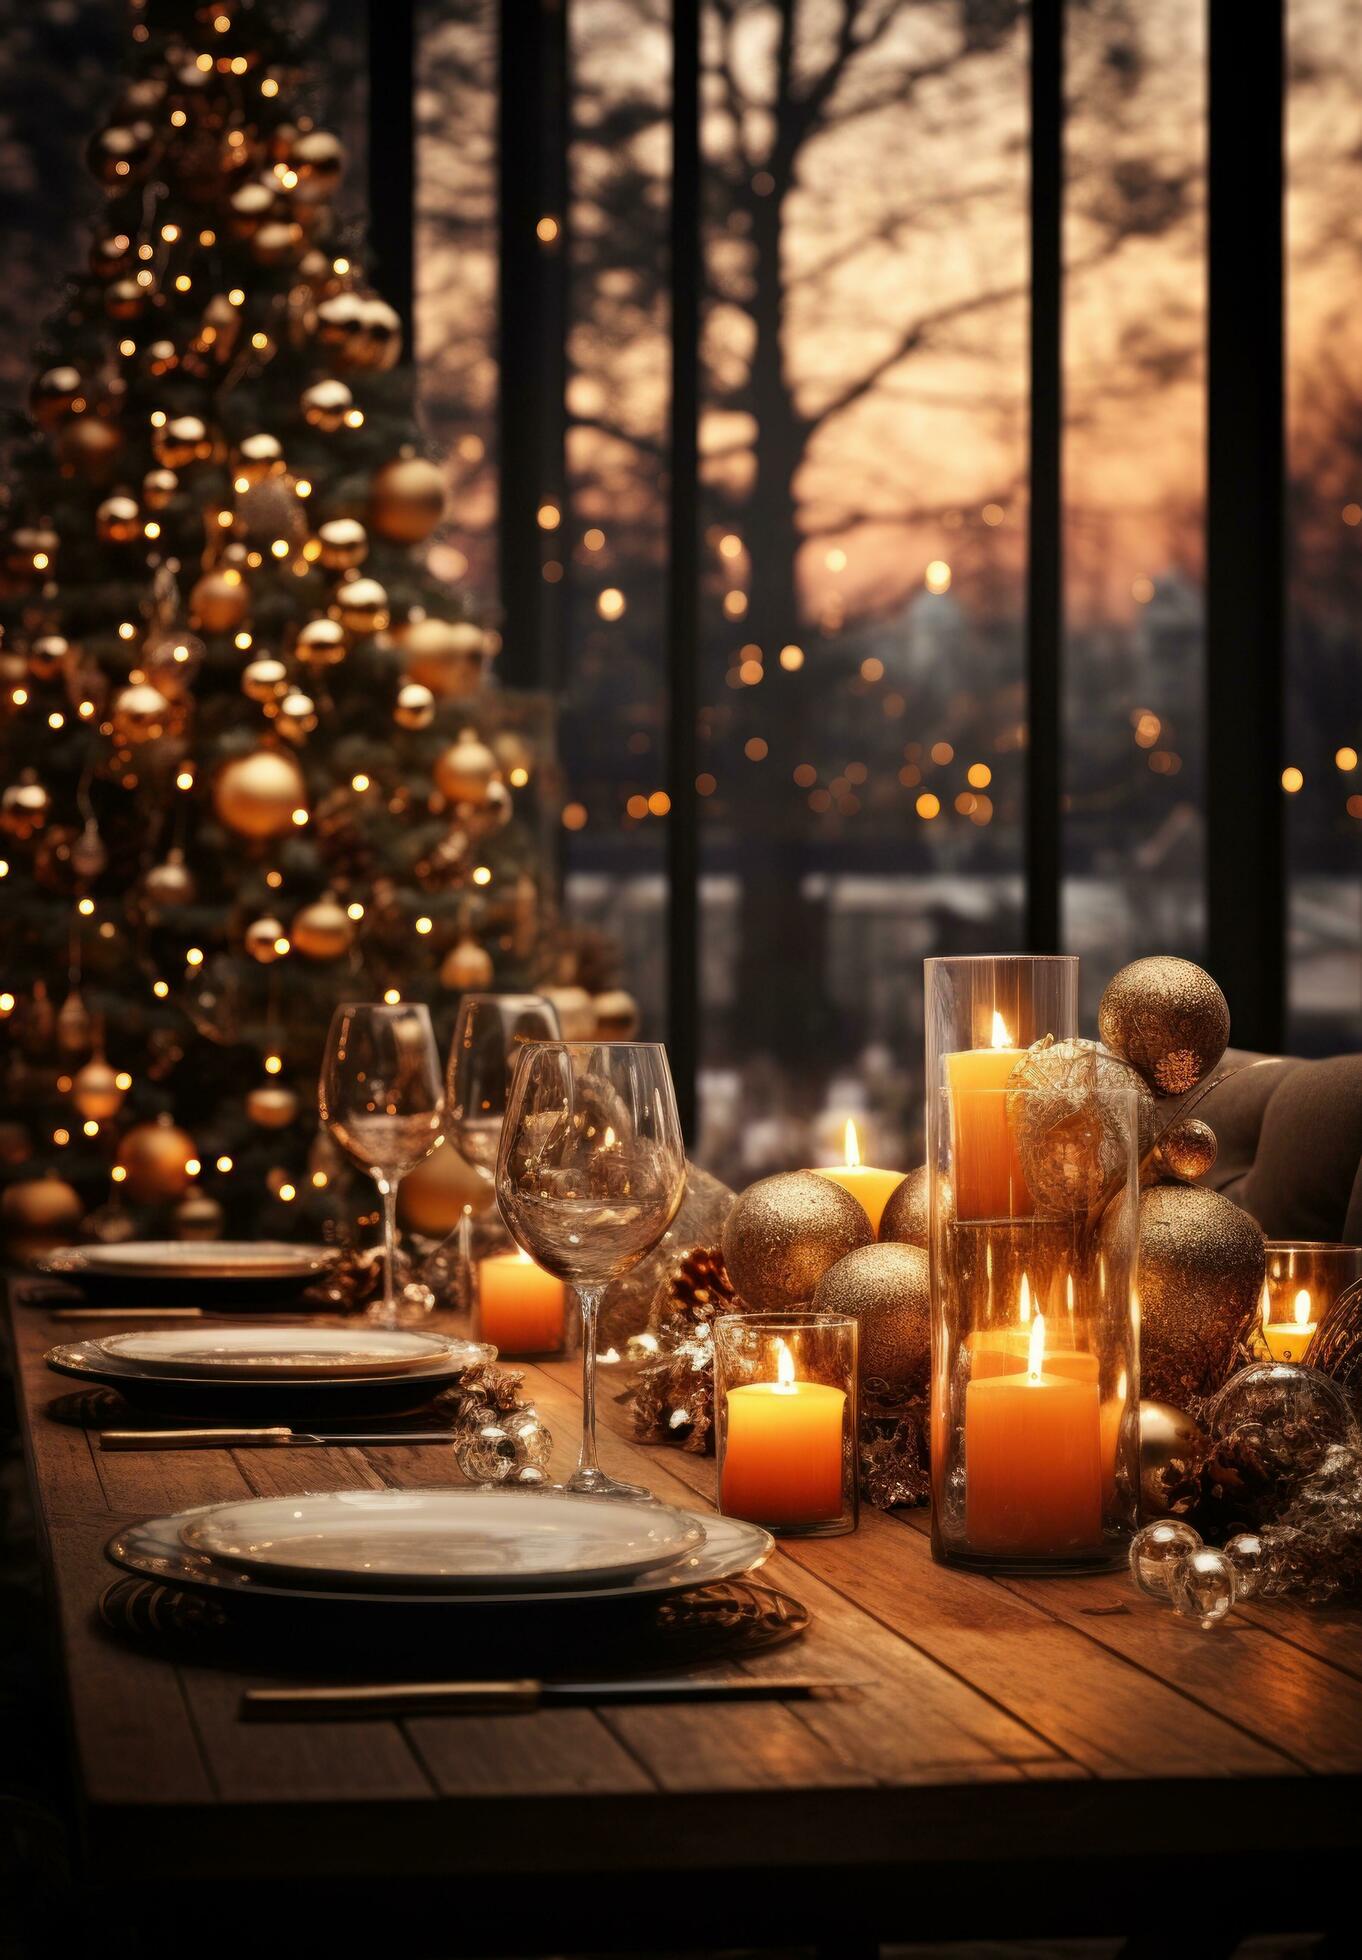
(1023, 1757)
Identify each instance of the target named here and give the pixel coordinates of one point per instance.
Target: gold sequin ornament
(783, 1234)
(906, 1219)
(1168, 1019)
(886, 1289)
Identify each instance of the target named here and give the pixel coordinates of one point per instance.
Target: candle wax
(520, 1306)
(1033, 1464)
(986, 1172)
(783, 1453)
(871, 1189)
(1287, 1340)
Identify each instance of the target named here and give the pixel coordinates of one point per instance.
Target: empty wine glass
(591, 1172)
(488, 1035)
(381, 1096)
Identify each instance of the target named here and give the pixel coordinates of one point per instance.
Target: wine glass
(381, 1096)
(591, 1172)
(489, 1033)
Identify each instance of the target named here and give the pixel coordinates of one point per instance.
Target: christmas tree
(251, 762)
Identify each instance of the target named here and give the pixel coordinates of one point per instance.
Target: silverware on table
(517, 1697)
(251, 1439)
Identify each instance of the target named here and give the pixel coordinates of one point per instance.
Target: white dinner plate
(247, 1259)
(276, 1353)
(448, 1540)
(154, 1550)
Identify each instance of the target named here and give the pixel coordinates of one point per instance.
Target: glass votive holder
(518, 1307)
(1300, 1285)
(785, 1420)
(1035, 1341)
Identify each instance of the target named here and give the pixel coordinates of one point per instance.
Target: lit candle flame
(1024, 1301)
(1001, 1038)
(853, 1146)
(785, 1373)
(1035, 1359)
(1303, 1307)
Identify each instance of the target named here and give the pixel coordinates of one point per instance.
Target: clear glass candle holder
(1301, 1283)
(1035, 1342)
(785, 1420)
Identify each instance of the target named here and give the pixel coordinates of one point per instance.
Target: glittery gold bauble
(89, 446)
(1168, 1018)
(406, 500)
(139, 713)
(466, 770)
(361, 606)
(466, 968)
(322, 930)
(95, 1091)
(784, 1233)
(617, 1015)
(271, 1106)
(1173, 1447)
(158, 488)
(446, 655)
(414, 707)
(168, 885)
(317, 159)
(906, 1219)
(219, 601)
(326, 404)
(1068, 1108)
(48, 655)
(198, 1218)
(575, 1009)
(255, 795)
(156, 1157)
(117, 521)
(1186, 1150)
(344, 543)
(39, 1215)
(431, 1199)
(263, 938)
(886, 1289)
(320, 643)
(264, 680)
(52, 394)
(183, 440)
(1200, 1272)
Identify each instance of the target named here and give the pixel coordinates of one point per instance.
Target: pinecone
(694, 1291)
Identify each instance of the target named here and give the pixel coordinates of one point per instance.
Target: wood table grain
(1028, 1757)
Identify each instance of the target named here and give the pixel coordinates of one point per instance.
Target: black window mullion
(392, 156)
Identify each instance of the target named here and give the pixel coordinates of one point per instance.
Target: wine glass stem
(388, 1187)
(466, 1300)
(589, 1300)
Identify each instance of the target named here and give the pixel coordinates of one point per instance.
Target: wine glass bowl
(591, 1172)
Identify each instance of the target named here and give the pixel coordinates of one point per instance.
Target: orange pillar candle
(1033, 1461)
(1287, 1340)
(870, 1188)
(520, 1306)
(783, 1449)
(985, 1169)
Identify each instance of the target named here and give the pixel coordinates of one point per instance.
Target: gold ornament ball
(39, 1215)
(785, 1232)
(125, 300)
(139, 713)
(158, 488)
(168, 885)
(48, 655)
(265, 679)
(432, 1198)
(262, 939)
(576, 1011)
(406, 500)
(183, 440)
(445, 655)
(320, 643)
(379, 342)
(322, 930)
(1173, 1447)
(1069, 1109)
(325, 405)
(258, 457)
(616, 1014)
(271, 1107)
(198, 1218)
(361, 606)
(89, 446)
(95, 1091)
(52, 394)
(277, 241)
(318, 159)
(1200, 1273)
(75, 1027)
(466, 968)
(250, 205)
(466, 770)
(118, 154)
(219, 601)
(1168, 1018)
(156, 1157)
(255, 795)
(414, 707)
(1186, 1150)
(24, 806)
(344, 543)
(906, 1219)
(118, 520)
(297, 716)
(886, 1289)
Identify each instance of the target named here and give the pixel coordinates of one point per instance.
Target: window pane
(1324, 644)
(863, 441)
(1134, 484)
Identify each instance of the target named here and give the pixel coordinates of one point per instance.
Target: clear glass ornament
(1287, 1401)
(1245, 1552)
(1201, 1586)
(1156, 1549)
(531, 1436)
(485, 1453)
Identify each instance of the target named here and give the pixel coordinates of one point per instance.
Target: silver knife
(254, 1439)
(372, 1703)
